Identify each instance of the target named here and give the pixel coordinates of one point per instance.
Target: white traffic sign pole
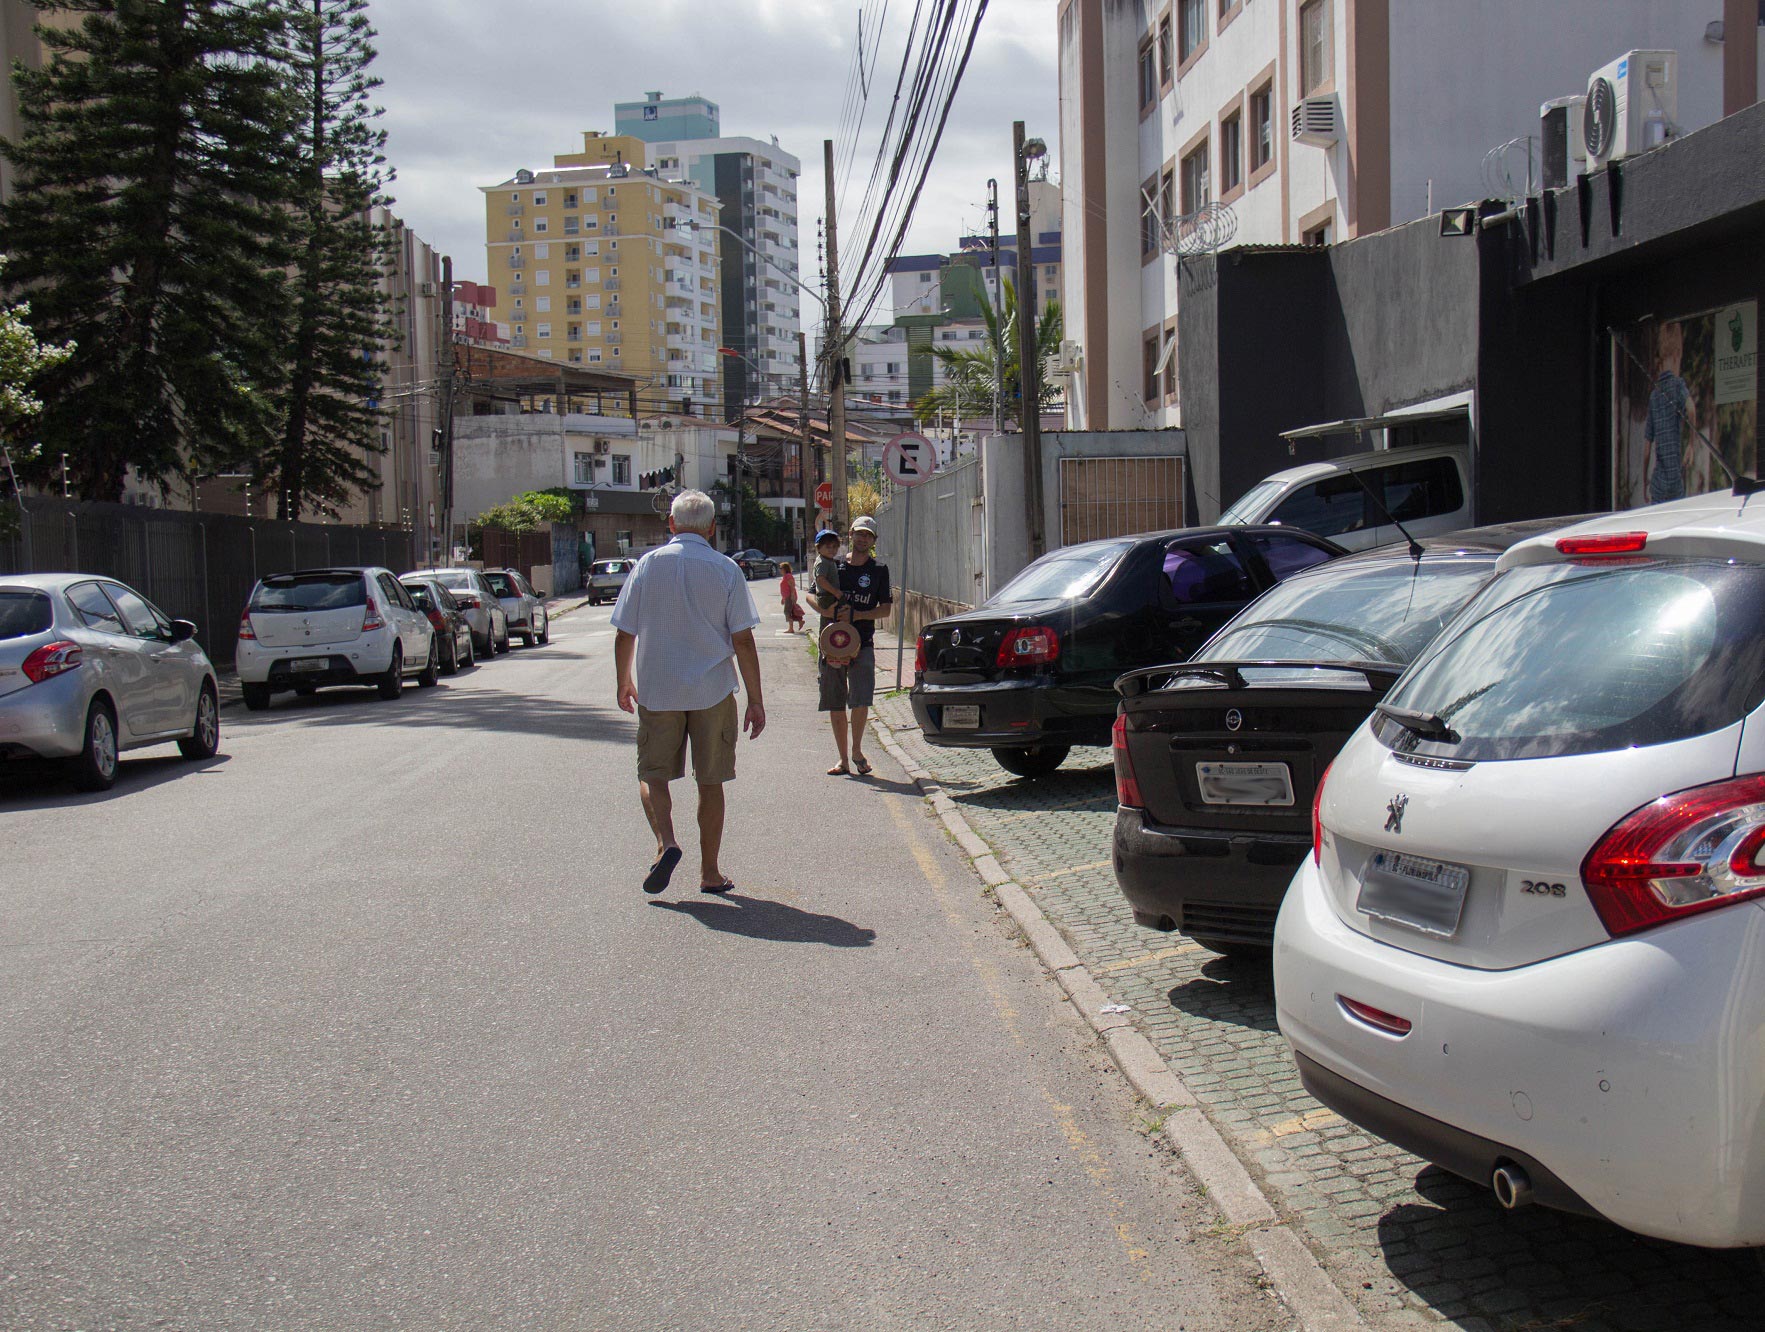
(909, 459)
(901, 606)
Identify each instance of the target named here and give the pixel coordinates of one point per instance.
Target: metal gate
(1109, 497)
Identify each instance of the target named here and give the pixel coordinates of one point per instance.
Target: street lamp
(1025, 152)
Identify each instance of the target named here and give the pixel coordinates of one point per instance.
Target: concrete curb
(1292, 1270)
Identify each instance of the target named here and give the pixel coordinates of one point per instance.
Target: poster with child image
(1685, 405)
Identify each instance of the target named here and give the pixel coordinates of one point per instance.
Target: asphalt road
(365, 1023)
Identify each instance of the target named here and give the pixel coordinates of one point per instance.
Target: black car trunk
(964, 649)
(1239, 747)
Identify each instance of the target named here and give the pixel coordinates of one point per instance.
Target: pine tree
(147, 226)
(340, 324)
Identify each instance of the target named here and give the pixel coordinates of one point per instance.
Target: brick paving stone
(1384, 1225)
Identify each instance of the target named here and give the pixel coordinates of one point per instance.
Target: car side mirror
(183, 631)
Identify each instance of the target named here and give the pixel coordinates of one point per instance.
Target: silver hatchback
(89, 667)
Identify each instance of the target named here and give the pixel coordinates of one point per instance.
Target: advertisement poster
(1684, 391)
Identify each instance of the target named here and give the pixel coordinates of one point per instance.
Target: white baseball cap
(864, 524)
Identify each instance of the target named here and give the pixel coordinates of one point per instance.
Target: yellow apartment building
(592, 265)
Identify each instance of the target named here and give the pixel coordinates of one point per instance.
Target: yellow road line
(1144, 958)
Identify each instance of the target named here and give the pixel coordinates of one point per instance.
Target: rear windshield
(309, 592)
(462, 581)
(501, 584)
(420, 595)
(1588, 658)
(607, 567)
(24, 613)
(1072, 572)
(1380, 613)
(1250, 504)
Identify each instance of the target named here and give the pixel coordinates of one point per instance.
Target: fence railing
(193, 566)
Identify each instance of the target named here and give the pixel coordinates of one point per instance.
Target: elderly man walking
(685, 622)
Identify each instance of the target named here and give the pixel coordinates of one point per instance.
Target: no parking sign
(909, 459)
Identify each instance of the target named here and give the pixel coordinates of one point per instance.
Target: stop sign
(824, 495)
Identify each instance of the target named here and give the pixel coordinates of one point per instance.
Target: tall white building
(755, 181)
(1309, 122)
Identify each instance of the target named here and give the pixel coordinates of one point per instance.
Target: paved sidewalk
(1411, 1245)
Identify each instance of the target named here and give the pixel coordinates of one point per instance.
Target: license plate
(1245, 783)
(962, 716)
(1412, 891)
(310, 664)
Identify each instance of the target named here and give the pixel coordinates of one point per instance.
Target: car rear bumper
(1627, 1073)
(354, 663)
(1015, 713)
(47, 719)
(1211, 885)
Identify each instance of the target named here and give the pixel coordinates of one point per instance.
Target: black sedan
(1217, 759)
(754, 564)
(1032, 672)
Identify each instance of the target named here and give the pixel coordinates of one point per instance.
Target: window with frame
(1262, 126)
(542, 330)
(584, 470)
(621, 469)
(1165, 71)
(1227, 6)
(542, 304)
(1148, 74)
(1167, 196)
(542, 250)
(1167, 352)
(541, 226)
(539, 198)
(1231, 152)
(1192, 35)
(1314, 45)
(1149, 370)
(1197, 184)
(1149, 219)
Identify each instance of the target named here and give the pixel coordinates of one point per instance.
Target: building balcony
(571, 229)
(611, 284)
(571, 284)
(516, 261)
(517, 236)
(517, 288)
(519, 340)
(609, 230)
(615, 338)
(515, 209)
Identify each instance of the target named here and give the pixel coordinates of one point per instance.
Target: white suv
(318, 627)
(1529, 944)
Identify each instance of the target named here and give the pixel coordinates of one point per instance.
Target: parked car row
(317, 628)
(1494, 798)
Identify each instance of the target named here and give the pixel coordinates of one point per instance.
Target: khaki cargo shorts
(662, 739)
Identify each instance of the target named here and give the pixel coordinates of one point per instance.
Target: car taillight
(919, 656)
(1317, 819)
(1127, 785)
(1687, 852)
(435, 618)
(1377, 1018)
(51, 659)
(371, 619)
(467, 600)
(1605, 543)
(245, 629)
(1028, 647)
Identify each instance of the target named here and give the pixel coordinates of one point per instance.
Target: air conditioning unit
(1315, 121)
(427, 289)
(1563, 140)
(1068, 361)
(1632, 106)
(602, 448)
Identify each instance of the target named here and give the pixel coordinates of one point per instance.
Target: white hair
(693, 511)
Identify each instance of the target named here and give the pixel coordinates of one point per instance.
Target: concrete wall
(497, 457)
(936, 564)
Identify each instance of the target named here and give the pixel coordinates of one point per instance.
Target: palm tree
(969, 371)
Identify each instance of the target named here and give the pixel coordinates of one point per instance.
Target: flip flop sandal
(725, 887)
(863, 766)
(839, 770)
(662, 871)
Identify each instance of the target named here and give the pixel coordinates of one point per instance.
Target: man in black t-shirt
(847, 691)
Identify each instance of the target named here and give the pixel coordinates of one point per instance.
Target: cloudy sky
(474, 89)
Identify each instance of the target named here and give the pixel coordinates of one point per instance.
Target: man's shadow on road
(756, 918)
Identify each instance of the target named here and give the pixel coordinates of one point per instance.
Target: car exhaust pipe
(1513, 1189)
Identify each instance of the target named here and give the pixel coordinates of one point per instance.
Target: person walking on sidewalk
(848, 690)
(685, 622)
(787, 594)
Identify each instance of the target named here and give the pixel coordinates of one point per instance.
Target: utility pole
(999, 331)
(835, 354)
(807, 458)
(1027, 369)
(446, 425)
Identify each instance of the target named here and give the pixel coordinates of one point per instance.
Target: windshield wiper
(1425, 725)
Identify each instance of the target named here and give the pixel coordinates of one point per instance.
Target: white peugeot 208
(1529, 945)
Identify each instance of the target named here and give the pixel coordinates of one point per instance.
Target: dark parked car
(1217, 759)
(1032, 672)
(453, 634)
(754, 564)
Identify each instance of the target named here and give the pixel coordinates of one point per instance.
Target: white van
(1426, 487)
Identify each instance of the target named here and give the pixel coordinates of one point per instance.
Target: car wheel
(490, 643)
(450, 664)
(545, 631)
(471, 652)
(1033, 761)
(1236, 948)
(257, 696)
(95, 768)
(527, 638)
(430, 675)
(205, 736)
(391, 684)
(503, 644)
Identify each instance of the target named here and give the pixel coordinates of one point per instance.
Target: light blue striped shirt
(685, 603)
